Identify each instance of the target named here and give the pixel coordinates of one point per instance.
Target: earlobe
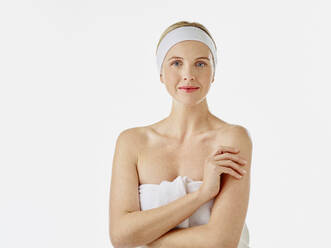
(161, 78)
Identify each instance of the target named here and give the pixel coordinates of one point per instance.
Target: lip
(189, 89)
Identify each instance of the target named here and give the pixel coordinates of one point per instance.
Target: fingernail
(244, 171)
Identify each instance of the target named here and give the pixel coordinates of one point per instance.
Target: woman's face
(188, 63)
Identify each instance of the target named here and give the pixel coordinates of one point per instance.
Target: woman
(183, 181)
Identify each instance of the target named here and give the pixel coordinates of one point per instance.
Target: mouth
(188, 87)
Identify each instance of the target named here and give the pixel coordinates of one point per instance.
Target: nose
(190, 78)
(188, 74)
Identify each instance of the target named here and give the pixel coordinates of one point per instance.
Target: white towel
(156, 195)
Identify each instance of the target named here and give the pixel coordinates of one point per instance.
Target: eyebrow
(175, 57)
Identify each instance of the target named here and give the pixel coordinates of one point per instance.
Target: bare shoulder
(239, 137)
(133, 139)
(241, 132)
(130, 133)
(228, 131)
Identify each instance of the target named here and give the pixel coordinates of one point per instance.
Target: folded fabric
(156, 195)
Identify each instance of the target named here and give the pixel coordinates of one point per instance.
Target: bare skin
(179, 144)
(164, 158)
(176, 145)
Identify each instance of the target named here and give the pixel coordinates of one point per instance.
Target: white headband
(181, 34)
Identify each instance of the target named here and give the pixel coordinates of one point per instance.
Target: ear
(161, 79)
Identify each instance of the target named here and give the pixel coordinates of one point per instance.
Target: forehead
(189, 48)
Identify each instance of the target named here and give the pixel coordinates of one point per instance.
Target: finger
(232, 165)
(231, 172)
(224, 149)
(233, 157)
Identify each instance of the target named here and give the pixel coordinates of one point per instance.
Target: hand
(224, 160)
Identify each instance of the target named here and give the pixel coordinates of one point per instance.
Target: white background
(74, 74)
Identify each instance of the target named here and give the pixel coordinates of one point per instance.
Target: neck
(186, 121)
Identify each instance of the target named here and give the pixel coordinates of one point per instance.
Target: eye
(175, 62)
(202, 63)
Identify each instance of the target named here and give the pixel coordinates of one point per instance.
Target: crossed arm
(228, 213)
(226, 219)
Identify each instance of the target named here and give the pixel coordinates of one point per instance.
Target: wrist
(202, 196)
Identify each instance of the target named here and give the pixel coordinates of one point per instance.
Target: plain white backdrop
(74, 74)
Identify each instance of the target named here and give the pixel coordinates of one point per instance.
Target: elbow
(114, 240)
(122, 244)
(118, 244)
(118, 237)
(123, 235)
(118, 240)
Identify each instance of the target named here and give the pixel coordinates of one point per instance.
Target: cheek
(208, 72)
(171, 77)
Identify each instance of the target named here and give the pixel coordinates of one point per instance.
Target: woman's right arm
(130, 227)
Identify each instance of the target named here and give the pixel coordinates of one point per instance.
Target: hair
(183, 24)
